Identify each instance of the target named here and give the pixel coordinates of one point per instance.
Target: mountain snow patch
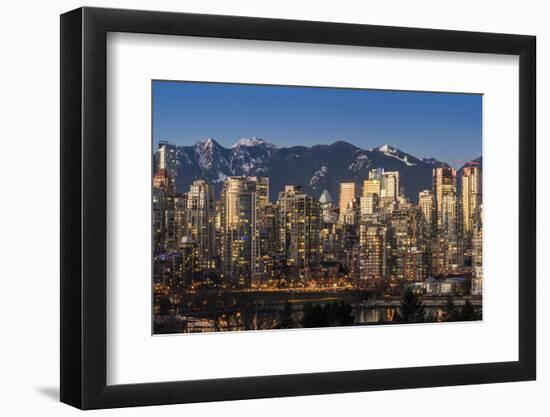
(394, 153)
(317, 175)
(249, 142)
(361, 162)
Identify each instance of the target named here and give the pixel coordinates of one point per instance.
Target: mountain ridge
(315, 168)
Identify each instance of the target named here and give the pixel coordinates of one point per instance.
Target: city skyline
(256, 237)
(231, 243)
(185, 113)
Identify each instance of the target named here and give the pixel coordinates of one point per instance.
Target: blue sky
(445, 126)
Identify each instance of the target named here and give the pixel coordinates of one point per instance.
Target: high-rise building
(426, 202)
(471, 197)
(477, 256)
(368, 205)
(262, 190)
(389, 187)
(162, 180)
(269, 229)
(371, 186)
(170, 225)
(180, 217)
(449, 215)
(166, 159)
(373, 254)
(300, 227)
(201, 216)
(352, 215)
(159, 204)
(405, 238)
(284, 204)
(413, 266)
(328, 241)
(446, 255)
(444, 187)
(477, 261)
(240, 229)
(348, 194)
(164, 223)
(190, 267)
(370, 198)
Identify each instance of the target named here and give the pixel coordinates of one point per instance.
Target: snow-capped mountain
(211, 155)
(251, 142)
(397, 154)
(315, 168)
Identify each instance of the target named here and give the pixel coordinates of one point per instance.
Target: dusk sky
(445, 126)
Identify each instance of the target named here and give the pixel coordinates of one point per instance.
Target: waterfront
(240, 310)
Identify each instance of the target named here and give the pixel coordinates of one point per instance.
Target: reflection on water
(373, 315)
(293, 312)
(386, 314)
(265, 319)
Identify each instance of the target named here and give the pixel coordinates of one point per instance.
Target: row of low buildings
(373, 236)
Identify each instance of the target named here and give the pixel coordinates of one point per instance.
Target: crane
(468, 162)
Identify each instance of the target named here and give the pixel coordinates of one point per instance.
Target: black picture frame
(84, 207)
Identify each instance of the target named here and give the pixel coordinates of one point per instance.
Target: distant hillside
(315, 168)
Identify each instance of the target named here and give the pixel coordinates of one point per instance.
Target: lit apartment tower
(329, 218)
(300, 226)
(414, 268)
(201, 215)
(158, 220)
(471, 197)
(269, 229)
(407, 255)
(180, 217)
(164, 226)
(352, 215)
(170, 225)
(283, 202)
(446, 255)
(353, 265)
(240, 229)
(190, 267)
(328, 241)
(371, 186)
(389, 183)
(348, 193)
(426, 203)
(373, 254)
(477, 256)
(167, 159)
(368, 205)
(267, 260)
(389, 186)
(370, 198)
(449, 215)
(264, 213)
(262, 190)
(162, 180)
(477, 261)
(218, 231)
(444, 186)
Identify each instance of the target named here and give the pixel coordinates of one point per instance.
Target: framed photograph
(258, 208)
